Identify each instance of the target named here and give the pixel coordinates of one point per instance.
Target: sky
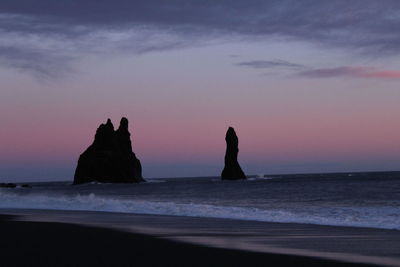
(309, 86)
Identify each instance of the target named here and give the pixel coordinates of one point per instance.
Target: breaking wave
(376, 217)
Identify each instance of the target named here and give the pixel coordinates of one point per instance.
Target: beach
(86, 238)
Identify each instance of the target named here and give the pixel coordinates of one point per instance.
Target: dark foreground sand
(29, 241)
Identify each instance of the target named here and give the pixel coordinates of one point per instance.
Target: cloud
(352, 72)
(79, 27)
(385, 74)
(266, 64)
(31, 61)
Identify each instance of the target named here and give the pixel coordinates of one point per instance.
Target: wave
(375, 217)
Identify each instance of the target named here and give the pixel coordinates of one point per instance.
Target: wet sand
(78, 238)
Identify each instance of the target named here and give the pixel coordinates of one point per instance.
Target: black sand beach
(38, 238)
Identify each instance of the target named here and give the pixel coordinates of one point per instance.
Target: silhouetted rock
(232, 170)
(12, 185)
(8, 185)
(110, 158)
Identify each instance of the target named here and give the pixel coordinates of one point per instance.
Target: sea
(363, 199)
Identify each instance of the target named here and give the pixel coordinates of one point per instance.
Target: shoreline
(63, 244)
(336, 245)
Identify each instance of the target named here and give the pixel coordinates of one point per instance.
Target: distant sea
(346, 199)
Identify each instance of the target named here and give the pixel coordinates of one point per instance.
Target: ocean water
(345, 199)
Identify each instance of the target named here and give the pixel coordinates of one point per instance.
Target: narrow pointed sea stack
(232, 170)
(110, 158)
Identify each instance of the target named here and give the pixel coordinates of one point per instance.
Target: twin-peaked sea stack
(110, 158)
(232, 170)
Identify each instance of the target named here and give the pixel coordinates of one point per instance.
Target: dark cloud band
(352, 72)
(366, 25)
(266, 64)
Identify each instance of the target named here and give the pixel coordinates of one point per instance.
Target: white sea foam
(378, 217)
